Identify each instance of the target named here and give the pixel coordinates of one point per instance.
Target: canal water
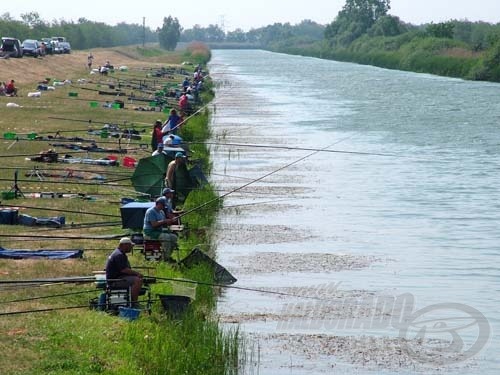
(366, 201)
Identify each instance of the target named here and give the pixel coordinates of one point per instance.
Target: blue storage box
(128, 313)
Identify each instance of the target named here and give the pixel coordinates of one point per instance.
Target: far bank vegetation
(364, 32)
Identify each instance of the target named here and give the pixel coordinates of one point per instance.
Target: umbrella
(149, 174)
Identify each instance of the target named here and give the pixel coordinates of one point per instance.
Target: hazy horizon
(257, 13)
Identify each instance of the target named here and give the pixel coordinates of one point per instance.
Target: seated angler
(154, 221)
(159, 150)
(119, 274)
(170, 211)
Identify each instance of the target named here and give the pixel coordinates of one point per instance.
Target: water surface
(413, 196)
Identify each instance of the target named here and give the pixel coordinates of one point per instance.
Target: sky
(232, 14)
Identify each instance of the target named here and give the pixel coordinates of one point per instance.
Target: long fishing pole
(95, 224)
(54, 238)
(25, 155)
(59, 210)
(97, 171)
(292, 148)
(97, 182)
(67, 194)
(77, 140)
(44, 297)
(73, 226)
(235, 287)
(43, 310)
(86, 279)
(187, 118)
(69, 279)
(256, 180)
(90, 121)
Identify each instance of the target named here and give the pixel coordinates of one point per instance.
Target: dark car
(11, 47)
(32, 47)
(66, 47)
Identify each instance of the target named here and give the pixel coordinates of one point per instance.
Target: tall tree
(32, 20)
(355, 18)
(170, 33)
(441, 30)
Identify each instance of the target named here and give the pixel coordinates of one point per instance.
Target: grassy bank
(72, 339)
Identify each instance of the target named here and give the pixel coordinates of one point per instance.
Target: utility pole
(143, 32)
(222, 23)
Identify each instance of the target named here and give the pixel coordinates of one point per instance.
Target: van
(59, 38)
(11, 47)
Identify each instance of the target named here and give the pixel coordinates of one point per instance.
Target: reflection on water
(427, 214)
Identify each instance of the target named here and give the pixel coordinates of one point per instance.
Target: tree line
(364, 32)
(275, 35)
(86, 34)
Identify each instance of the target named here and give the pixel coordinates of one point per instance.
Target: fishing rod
(97, 182)
(95, 224)
(57, 134)
(44, 297)
(293, 148)
(22, 168)
(108, 105)
(53, 238)
(125, 122)
(235, 287)
(20, 155)
(250, 204)
(81, 151)
(230, 176)
(160, 80)
(79, 193)
(69, 279)
(60, 139)
(58, 210)
(257, 203)
(43, 310)
(187, 118)
(87, 279)
(256, 180)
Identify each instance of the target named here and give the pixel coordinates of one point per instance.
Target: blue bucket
(128, 313)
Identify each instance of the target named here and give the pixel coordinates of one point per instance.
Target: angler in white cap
(118, 270)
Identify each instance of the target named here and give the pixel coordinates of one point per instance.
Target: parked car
(59, 38)
(66, 47)
(31, 47)
(11, 47)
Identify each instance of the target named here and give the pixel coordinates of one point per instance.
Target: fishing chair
(152, 250)
(117, 295)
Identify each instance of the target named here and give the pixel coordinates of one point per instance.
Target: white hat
(126, 240)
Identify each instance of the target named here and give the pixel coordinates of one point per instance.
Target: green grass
(83, 341)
